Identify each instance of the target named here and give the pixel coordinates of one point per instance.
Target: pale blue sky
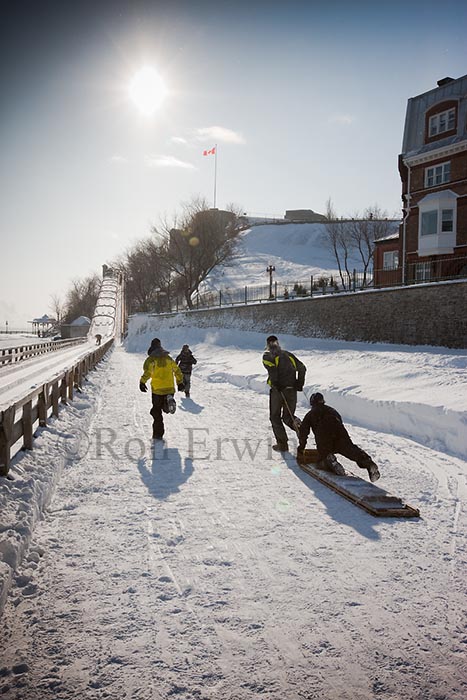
(311, 97)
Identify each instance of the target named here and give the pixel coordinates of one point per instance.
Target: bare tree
(57, 307)
(365, 229)
(81, 298)
(147, 276)
(339, 243)
(196, 242)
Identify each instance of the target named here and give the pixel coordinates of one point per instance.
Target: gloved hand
(298, 386)
(142, 387)
(181, 387)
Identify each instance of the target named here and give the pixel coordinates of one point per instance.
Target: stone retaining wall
(425, 314)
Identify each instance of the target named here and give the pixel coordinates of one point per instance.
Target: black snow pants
(280, 414)
(353, 452)
(159, 403)
(187, 381)
(340, 443)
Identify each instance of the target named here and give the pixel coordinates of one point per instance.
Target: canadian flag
(211, 152)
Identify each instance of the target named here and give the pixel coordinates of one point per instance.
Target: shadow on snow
(163, 472)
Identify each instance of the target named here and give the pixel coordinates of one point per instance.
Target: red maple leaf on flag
(211, 152)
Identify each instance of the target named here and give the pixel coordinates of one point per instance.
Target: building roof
(81, 321)
(391, 237)
(414, 130)
(43, 319)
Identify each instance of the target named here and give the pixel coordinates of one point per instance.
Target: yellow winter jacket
(160, 368)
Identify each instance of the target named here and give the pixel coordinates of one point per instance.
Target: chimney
(445, 81)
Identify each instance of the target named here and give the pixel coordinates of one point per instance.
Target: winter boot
(187, 394)
(333, 465)
(171, 404)
(373, 472)
(281, 447)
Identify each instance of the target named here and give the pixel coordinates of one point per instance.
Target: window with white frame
(437, 223)
(390, 260)
(447, 220)
(429, 223)
(423, 271)
(444, 121)
(438, 174)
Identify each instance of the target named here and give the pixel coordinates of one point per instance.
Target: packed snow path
(214, 569)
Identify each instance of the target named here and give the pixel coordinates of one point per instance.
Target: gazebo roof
(43, 319)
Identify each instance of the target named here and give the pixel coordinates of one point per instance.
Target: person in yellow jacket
(161, 370)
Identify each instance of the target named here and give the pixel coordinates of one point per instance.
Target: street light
(270, 269)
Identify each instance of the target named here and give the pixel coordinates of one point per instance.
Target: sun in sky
(147, 90)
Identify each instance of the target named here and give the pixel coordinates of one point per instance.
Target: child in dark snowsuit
(185, 360)
(331, 436)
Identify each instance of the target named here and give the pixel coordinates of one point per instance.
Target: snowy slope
(295, 250)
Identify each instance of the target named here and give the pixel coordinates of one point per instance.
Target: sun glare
(147, 90)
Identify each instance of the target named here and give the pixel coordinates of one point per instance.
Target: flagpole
(215, 173)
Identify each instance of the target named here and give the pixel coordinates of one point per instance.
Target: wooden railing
(35, 405)
(27, 350)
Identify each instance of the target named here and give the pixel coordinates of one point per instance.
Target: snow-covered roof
(391, 237)
(81, 321)
(43, 319)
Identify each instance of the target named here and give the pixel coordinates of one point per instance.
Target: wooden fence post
(7, 419)
(70, 378)
(63, 388)
(55, 397)
(77, 377)
(27, 425)
(42, 406)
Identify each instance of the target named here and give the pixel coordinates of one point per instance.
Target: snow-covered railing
(17, 421)
(27, 350)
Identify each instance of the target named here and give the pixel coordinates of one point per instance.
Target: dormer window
(438, 174)
(444, 121)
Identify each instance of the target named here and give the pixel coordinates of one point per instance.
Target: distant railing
(250, 294)
(440, 270)
(351, 281)
(436, 270)
(27, 350)
(17, 421)
(335, 283)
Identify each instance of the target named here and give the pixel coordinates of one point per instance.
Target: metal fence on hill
(351, 281)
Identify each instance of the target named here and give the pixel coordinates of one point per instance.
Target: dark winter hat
(316, 399)
(272, 339)
(186, 347)
(155, 343)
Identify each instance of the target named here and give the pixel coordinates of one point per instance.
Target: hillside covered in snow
(297, 251)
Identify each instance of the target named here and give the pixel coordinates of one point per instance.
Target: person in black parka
(185, 360)
(331, 436)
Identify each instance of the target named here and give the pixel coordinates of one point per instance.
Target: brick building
(386, 261)
(433, 170)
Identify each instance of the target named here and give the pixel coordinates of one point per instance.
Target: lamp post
(270, 269)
